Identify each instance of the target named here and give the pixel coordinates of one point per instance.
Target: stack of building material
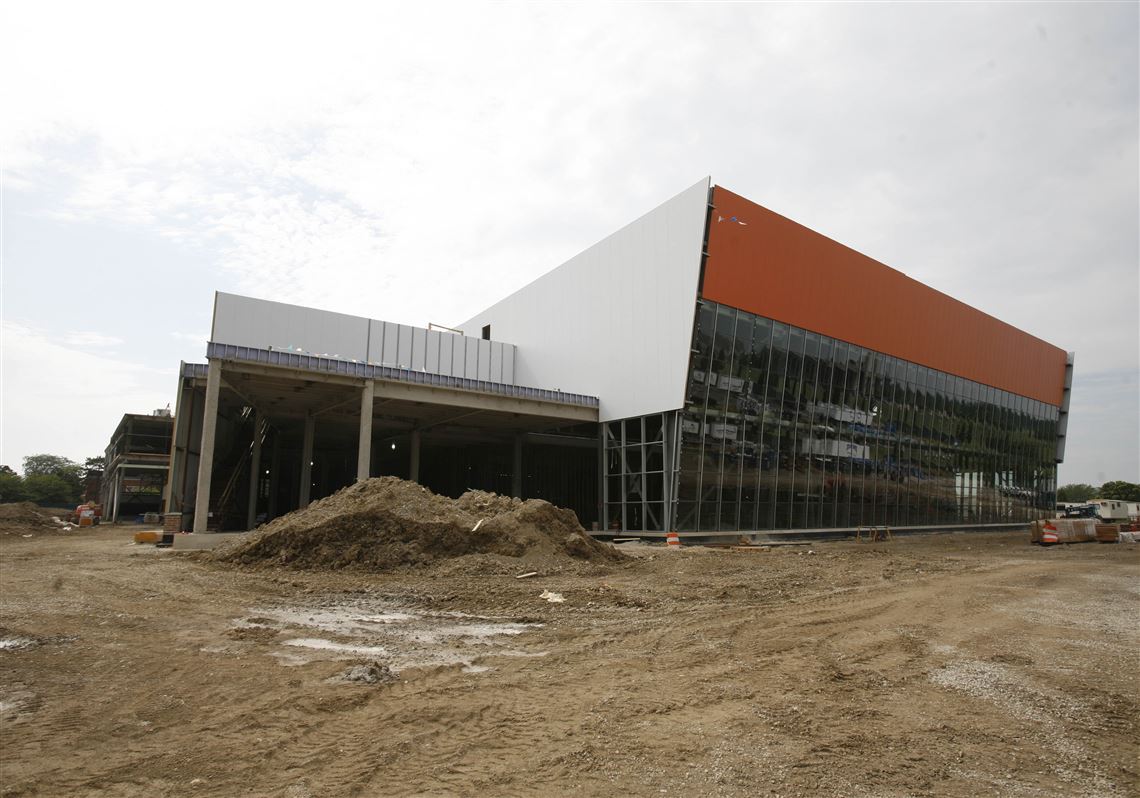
(1063, 530)
(1109, 533)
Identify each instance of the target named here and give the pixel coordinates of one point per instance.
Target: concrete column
(414, 455)
(517, 468)
(178, 439)
(364, 448)
(206, 451)
(307, 461)
(254, 471)
(118, 483)
(180, 493)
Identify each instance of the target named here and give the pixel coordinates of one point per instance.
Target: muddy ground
(953, 665)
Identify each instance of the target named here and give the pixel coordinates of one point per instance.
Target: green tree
(50, 490)
(39, 467)
(1121, 491)
(1077, 492)
(11, 486)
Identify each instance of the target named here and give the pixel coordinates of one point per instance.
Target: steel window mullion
(763, 426)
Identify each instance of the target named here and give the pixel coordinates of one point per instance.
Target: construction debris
(1062, 530)
(387, 523)
(22, 518)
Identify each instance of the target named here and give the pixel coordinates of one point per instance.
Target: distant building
(92, 485)
(136, 464)
(712, 368)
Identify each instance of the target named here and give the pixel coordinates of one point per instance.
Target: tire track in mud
(709, 673)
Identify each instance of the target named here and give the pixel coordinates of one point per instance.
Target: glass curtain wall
(788, 429)
(638, 458)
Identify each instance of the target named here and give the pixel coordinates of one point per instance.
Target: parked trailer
(1112, 510)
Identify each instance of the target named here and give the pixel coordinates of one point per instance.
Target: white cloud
(90, 338)
(1104, 429)
(67, 401)
(191, 337)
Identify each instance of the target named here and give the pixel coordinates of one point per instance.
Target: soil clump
(26, 518)
(387, 524)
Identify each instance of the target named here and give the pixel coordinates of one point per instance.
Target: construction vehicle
(87, 514)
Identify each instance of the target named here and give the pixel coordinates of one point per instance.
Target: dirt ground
(952, 665)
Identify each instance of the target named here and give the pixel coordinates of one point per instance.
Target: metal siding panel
(459, 356)
(615, 321)
(244, 321)
(404, 347)
(496, 361)
(777, 268)
(484, 364)
(375, 341)
(471, 358)
(431, 357)
(446, 343)
(419, 349)
(391, 343)
(509, 364)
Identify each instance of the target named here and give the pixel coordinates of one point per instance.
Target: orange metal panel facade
(774, 267)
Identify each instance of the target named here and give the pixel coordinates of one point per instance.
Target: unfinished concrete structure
(137, 461)
(265, 427)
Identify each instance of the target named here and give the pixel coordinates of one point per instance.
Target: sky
(417, 162)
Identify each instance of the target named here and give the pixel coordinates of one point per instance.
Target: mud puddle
(375, 630)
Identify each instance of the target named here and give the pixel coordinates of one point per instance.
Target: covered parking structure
(260, 432)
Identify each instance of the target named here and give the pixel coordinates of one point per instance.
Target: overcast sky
(418, 163)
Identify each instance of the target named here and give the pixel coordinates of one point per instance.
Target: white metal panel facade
(446, 342)
(615, 321)
(261, 324)
(245, 321)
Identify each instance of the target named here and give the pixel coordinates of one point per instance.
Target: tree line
(1117, 489)
(48, 480)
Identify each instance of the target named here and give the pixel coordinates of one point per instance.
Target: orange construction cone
(672, 540)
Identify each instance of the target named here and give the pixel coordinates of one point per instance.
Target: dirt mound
(387, 523)
(24, 518)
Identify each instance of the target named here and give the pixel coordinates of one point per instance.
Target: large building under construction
(711, 368)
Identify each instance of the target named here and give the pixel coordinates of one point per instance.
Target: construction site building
(136, 462)
(711, 368)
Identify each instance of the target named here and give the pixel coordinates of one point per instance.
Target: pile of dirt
(26, 518)
(387, 523)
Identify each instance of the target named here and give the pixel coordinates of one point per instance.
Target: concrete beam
(285, 372)
(451, 397)
(206, 451)
(427, 394)
(574, 441)
(364, 445)
(307, 462)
